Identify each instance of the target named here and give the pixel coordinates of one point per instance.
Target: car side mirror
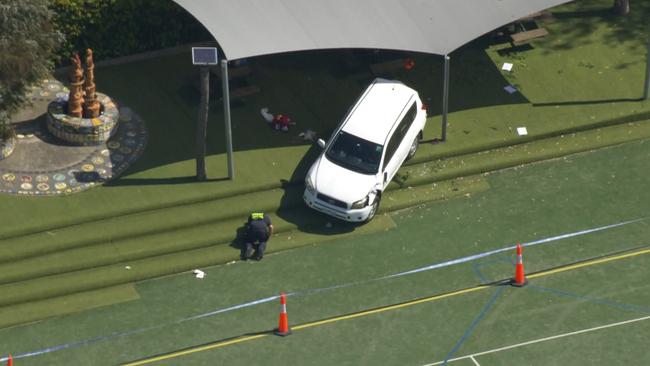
(321, 143)
(385, 177)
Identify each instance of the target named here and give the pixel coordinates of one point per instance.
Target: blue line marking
(474, 323)
(318, 290)
(477, 271)
(594, 300)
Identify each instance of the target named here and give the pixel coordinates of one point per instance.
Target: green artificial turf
(579, 86)
(67, 304)
(533, 202)
(316, 92)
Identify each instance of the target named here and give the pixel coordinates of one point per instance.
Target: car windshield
(355, 153)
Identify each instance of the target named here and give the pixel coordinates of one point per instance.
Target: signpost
(204, 57)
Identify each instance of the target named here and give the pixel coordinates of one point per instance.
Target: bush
(6, 132)
(27, 43)
(122, 27)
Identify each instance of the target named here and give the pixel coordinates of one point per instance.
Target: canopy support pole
(226, 117)
(202, 126)
(647, 72)
(445, 100)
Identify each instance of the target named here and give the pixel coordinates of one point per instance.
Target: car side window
(399, 133)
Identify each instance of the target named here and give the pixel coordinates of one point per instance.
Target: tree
(622, 7)
(28, 41)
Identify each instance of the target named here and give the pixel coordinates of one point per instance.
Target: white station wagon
(365, 151)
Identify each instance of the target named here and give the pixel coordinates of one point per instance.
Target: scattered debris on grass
(510, 89)
(198, 273)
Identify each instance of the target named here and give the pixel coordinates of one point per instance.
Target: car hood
(340, 183)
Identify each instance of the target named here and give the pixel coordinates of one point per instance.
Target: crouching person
(258, 231)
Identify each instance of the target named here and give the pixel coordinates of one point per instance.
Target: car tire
(414, 147)
(375, 208)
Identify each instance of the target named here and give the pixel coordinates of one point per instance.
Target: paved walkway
(43, 165)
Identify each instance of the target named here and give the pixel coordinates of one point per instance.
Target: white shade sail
(245, 28)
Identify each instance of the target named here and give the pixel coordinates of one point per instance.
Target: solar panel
(204, 55)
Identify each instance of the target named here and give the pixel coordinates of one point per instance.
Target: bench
(244, 91)
(524, 37)
(387, 66)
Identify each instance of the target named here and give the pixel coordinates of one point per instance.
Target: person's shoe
(258, 258)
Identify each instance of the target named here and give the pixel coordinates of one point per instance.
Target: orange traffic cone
(10, 360)
(283, 327)
(520, 277)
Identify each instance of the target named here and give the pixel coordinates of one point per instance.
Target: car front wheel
(374, 209)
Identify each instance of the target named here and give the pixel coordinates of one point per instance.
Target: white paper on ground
(308, 135)
(506, 66)
(268, 117)
(522, 131)
(199, 273)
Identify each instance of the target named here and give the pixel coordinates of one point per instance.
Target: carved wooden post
(91, 105)
(75, 98)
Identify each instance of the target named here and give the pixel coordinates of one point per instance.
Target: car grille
(332, 201)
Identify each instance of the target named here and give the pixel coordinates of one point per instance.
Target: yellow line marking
(589, 263)
(390, 307)
(194, 350)
(384, 309)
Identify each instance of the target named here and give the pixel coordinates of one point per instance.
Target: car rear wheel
(414, 147)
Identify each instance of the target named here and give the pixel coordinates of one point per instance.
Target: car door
(397, 147)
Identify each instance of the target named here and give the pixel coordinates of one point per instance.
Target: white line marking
(542, 340)
(474, 360)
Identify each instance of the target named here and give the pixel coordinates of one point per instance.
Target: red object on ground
(283, 327)
(282, 120)
(409, 64)
(520, 277)
(10, 361)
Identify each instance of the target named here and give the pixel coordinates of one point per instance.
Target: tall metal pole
(226, 116)
(202, 126)
(445, 99)
(646, 89)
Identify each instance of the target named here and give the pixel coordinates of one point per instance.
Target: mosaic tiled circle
(103, 163)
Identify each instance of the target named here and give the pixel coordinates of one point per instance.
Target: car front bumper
(350, 215)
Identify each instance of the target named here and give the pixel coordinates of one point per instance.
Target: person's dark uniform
(258, 232)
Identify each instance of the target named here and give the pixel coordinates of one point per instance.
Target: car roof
(377, 110)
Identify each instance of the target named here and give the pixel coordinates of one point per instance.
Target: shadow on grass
(315, 92)
(587, 102)
(578, 24)
(160, 181)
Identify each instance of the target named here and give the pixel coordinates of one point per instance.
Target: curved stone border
(83, 131)
(7, 147)
(107, 161)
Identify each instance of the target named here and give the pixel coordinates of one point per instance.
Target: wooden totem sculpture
(91, 105)
(75, 98)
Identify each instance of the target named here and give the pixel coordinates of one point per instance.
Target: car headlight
(309, 185)
(360, 203)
